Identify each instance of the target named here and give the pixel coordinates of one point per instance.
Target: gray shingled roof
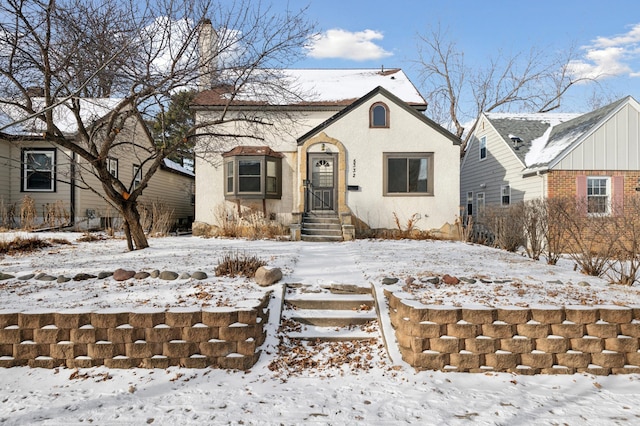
(546, 136)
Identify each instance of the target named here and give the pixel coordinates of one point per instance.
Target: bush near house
(601, 245)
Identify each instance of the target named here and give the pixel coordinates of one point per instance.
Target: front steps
(329, 313)
(321, 227)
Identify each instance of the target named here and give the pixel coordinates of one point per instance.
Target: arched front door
(321, 187)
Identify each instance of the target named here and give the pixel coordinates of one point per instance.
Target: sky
(376, 33)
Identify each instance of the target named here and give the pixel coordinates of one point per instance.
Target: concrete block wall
(152, 338)
(537, 340)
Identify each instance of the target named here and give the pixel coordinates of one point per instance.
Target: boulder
(168, 275)
(199, 275)
(389, 280)
(122, 274)
(83, 276)
(267, 276)
(104, 274)
(449, 280)
(141, 275)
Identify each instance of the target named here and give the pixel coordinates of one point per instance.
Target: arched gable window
(379, 115)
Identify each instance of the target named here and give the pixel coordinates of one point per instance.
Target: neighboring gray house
(57, 179)
(516, 157)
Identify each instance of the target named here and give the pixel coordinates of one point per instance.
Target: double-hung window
(38, 170)
(408, 173)
(505, 195)
(137, 175)
(483, 147)
(598, 191)
(112, 166)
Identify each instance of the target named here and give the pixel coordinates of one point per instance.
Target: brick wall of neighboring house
(546, 340)
(562, 183)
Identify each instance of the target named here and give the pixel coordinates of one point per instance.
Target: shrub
(27, 213)
(251, 224)
(506, 225)
(236, 263)
(23, 245)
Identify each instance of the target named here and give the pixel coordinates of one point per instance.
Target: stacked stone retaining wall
(152, 338)
(536, 340)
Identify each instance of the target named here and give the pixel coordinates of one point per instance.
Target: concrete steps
(330, 313)
(325, 227)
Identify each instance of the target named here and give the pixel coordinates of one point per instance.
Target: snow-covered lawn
(379, 391)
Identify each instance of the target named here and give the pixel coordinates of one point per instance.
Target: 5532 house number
(353, 174)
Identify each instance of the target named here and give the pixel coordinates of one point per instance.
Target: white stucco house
(353, 144)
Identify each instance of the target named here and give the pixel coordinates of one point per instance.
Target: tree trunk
(136, 239)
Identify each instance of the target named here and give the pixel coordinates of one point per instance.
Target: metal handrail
(311, 195)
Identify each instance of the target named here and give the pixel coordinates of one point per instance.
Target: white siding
(500, 167)
(613, 146)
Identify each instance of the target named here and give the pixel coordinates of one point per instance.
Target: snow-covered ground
(379, 391)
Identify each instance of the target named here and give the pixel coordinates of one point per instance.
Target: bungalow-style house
(58, 181)
(353, 144)
(518, 157)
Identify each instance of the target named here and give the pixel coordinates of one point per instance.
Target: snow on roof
(172, 165)
(316, 86)
(18, 122)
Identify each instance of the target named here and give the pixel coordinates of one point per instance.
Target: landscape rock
(467, 280)
(26, 277)
(123, 274)
(199, 275)
(104, 274)
(184, 276)
(141, 275)
(155, 273)
(83, 277)
(584, 284)
(389, 280)
(5, 276)
(168, 275)
(63, 279)
(449, 280)
(267, 276)
(430, 280)
(45, 277)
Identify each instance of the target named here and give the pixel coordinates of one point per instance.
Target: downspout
(72, 190)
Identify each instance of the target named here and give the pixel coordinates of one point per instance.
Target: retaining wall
(193, 338)
(549, 340)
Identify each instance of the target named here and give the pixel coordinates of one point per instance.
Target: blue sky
(369, 34)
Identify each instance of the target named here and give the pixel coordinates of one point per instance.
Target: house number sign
(354, 168)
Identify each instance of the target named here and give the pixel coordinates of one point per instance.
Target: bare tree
(532, 81)
(139, 53)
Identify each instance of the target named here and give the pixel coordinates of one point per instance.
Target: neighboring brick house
(518, 157)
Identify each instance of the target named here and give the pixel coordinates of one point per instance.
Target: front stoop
(321, 227)
(329, 313)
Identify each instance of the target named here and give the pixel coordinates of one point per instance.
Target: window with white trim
(483, 147)
(137, 175)
(469, 203)
(408, 173)
(38, 170)
(598, 195)
(480, 203)
(505, 195)
(112, 166)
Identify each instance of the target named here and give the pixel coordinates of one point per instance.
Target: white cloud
(342, 44)
(610, 57)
